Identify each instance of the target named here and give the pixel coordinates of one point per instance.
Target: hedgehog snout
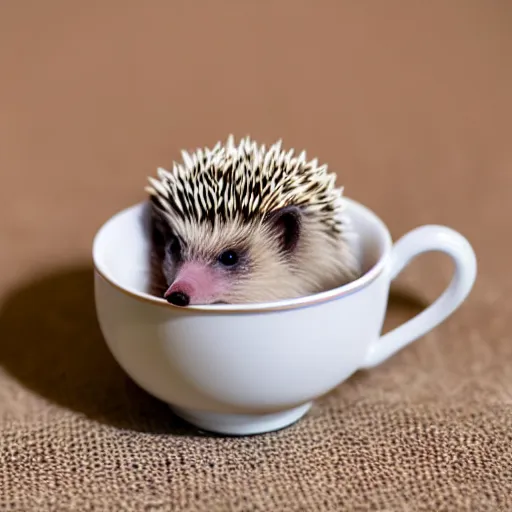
(195, 283)
(178, 294)
(178, 299)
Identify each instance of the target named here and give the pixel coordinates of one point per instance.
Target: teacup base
(242, 424)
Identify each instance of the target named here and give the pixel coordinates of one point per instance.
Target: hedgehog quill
(246, 224)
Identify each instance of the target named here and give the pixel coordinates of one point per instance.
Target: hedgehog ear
(286, 223)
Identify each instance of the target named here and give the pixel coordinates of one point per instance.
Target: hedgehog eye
(228, 258)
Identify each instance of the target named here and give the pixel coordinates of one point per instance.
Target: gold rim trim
(232, 308)
(282, 305)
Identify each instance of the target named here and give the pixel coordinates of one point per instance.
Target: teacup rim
(284, 304)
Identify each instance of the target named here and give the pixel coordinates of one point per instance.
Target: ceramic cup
(255, 368)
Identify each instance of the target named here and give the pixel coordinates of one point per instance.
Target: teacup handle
(420, 240)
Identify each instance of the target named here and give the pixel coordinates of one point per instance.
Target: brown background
(410, 102)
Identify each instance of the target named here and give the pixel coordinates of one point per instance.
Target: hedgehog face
(245, 224)
(231, 262)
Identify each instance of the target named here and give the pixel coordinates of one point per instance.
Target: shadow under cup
(237, 369)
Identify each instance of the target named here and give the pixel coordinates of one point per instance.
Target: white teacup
(254, 368)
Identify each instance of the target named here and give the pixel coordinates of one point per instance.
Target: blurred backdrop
(409, 102)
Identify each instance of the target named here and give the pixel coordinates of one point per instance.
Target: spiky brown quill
(245, 224)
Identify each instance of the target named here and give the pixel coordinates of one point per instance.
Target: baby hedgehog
(242, 224)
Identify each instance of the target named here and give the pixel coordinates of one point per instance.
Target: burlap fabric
(410, 102)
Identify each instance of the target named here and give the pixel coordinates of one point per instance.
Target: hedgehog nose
(178, 299)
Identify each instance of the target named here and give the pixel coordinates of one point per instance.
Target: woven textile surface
(408, 102)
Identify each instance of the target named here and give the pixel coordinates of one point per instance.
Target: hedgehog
(239, 224)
